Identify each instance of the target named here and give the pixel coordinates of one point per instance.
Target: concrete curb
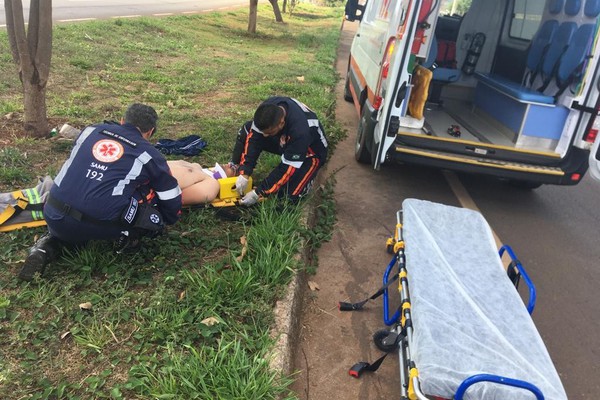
(288, 310)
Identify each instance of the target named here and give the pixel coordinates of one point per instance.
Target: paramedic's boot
(46, 249)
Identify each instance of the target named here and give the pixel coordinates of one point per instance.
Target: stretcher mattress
(467, 316)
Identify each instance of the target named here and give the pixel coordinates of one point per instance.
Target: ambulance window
(378, 10)
(371, 11)
(455, 7)
(526, 18)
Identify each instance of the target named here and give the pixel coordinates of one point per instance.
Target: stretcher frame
(400, 337)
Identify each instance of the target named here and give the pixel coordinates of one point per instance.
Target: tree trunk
(284, 6)
(276, 10)
(252, 16)
(36, 121)
(32, 51)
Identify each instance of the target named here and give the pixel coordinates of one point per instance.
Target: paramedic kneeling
(115, 185)
(285, 126)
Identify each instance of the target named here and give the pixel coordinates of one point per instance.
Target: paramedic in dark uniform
(115, 185)
(285, 126)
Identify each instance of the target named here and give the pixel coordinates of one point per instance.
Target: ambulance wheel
(347, 93)
(382, 344)
(361, 152)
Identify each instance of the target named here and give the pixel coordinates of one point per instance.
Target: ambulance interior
(504, 72)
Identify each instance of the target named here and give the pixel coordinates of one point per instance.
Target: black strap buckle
(66, 209)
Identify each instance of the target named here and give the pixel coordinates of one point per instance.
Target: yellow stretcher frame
(228, 196)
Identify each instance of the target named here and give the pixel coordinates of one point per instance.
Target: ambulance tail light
(384, 72)
(590, 137)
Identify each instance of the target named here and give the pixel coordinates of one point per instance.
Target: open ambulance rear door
(392, 91)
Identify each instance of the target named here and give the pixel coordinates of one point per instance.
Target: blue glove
(241, 184)
(249, 199)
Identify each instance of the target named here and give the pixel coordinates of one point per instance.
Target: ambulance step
(483, 162)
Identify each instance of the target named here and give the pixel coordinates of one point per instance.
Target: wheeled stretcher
(461, 330)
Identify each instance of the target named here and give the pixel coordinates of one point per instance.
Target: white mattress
(468, 318)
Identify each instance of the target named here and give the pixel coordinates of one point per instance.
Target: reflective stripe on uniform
(314, 123)
(34, 198)
(245, 151)
(295, 164)
(255, 128)
(169, 194)
(134, 172)
(284, 179)
(303, 106)
(63, 171)
(308, 176)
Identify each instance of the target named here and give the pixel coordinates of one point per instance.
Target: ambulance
(505, 88)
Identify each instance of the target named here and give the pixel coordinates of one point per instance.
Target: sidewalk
(350, 269)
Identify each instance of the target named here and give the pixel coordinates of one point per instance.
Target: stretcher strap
(343, 306)
(15, 209)
(357, 369)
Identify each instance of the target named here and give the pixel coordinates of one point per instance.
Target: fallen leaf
(313, 286)
(300, 78)
(65, 335)
(86, 306)
(210, 321)
(244, 243)
(181, 296)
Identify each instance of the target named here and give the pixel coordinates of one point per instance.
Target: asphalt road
(553, 230)
(79, 10)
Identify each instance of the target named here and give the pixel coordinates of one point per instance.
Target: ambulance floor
(473, 124)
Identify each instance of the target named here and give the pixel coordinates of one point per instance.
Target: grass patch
(185, 317)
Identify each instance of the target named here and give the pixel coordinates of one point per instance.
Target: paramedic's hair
(142, 116)
(267, 116)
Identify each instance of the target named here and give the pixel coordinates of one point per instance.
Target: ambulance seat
(441, 76)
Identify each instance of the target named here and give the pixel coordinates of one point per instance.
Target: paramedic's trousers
(72, 231)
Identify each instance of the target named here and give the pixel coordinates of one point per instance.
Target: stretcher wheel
(385, 340)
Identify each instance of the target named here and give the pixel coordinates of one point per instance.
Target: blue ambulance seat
(514, 89)
(558, 46)
(556, 6)
(442, 75)
(572, 7)
(533, 113)
(575, 55)
(592, 8)
(540, 44)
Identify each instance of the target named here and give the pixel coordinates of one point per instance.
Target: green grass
(184, 318)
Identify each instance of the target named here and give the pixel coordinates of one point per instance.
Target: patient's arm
(196, 186)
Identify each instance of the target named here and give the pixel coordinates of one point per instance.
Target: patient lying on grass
(198, 185)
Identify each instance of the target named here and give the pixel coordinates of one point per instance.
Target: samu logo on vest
(107, 150)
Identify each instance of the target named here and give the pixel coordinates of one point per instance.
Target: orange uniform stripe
(311, 171)
(243, 158)
(284, 179)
